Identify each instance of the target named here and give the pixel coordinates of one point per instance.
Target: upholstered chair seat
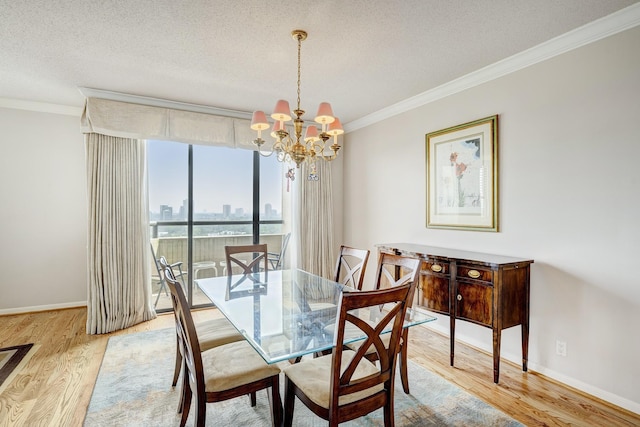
(236, 364)
(312, 377)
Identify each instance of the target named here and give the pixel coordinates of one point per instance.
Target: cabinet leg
(452, 334)
(525, 346)
(496, 354)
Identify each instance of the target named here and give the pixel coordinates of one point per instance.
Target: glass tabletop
(288, 313)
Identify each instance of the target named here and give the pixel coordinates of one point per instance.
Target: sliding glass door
(203, 198)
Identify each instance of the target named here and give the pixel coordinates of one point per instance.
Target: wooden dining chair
(249, 259)
(346, 385)
(395, 270)
(221, 373)
(211, 333)
(351, 266)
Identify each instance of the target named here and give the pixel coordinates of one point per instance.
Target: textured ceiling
(361, 55)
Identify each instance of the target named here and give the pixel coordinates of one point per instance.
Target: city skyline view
(167, 212)
(221, 176)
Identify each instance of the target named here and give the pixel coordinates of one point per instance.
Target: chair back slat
(395, 270)
(351, 266)
(249, 258)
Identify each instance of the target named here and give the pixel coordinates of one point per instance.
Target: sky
(221, 176)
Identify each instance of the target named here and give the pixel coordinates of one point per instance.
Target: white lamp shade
(325, 113)
(335, 128)
(281, 111)
(259, 121)
(311, 134)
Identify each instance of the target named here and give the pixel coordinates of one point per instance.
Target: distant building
(226, 211)
(268, 210)
(166, 213)
(184, 210)
(239, 213)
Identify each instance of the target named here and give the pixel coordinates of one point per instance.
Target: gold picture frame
(462, 176)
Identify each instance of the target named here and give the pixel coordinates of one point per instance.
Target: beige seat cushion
(216, 332)
(313, 377)
(234, 364)
(315, 306)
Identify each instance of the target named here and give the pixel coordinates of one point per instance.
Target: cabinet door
(474, 302)
(434, 286)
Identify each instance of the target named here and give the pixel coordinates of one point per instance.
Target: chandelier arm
(265, 155)
(331, 157)
(318, 146)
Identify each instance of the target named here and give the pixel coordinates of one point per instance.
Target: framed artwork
(462, 176)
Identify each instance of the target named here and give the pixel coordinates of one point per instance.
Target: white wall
(43, 221)
(569, 181)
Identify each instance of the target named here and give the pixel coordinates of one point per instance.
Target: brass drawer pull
(474, 274)
(436, 268)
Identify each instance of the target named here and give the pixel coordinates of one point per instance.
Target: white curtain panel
(119, 282)
(315, 244)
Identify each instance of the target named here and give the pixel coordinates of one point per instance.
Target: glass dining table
(286, 314)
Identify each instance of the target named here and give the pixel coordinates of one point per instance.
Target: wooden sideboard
(488, 290)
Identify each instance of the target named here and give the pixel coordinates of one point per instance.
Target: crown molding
(41, 107)
(163, 103)
(617, 22)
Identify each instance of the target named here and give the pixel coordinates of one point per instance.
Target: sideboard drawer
(474, 273)
(436, 267)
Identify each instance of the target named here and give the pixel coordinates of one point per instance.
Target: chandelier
(291, 147)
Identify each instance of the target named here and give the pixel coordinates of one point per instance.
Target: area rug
(12, 359)
(134, 389)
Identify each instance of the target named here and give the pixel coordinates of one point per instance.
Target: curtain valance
(128, 120)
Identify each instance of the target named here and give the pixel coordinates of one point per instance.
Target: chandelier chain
(299, 48)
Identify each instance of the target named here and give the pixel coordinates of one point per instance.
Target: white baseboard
(587, 388)
(22, 310)
(609, 397)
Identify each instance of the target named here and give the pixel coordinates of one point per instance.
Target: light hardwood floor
(55, 387)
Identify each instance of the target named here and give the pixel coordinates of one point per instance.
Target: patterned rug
(12, 359)
(134, 389)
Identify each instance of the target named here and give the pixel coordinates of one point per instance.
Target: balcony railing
(210, 248)
(206, 249)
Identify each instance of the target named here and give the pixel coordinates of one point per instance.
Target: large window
(203, 198)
